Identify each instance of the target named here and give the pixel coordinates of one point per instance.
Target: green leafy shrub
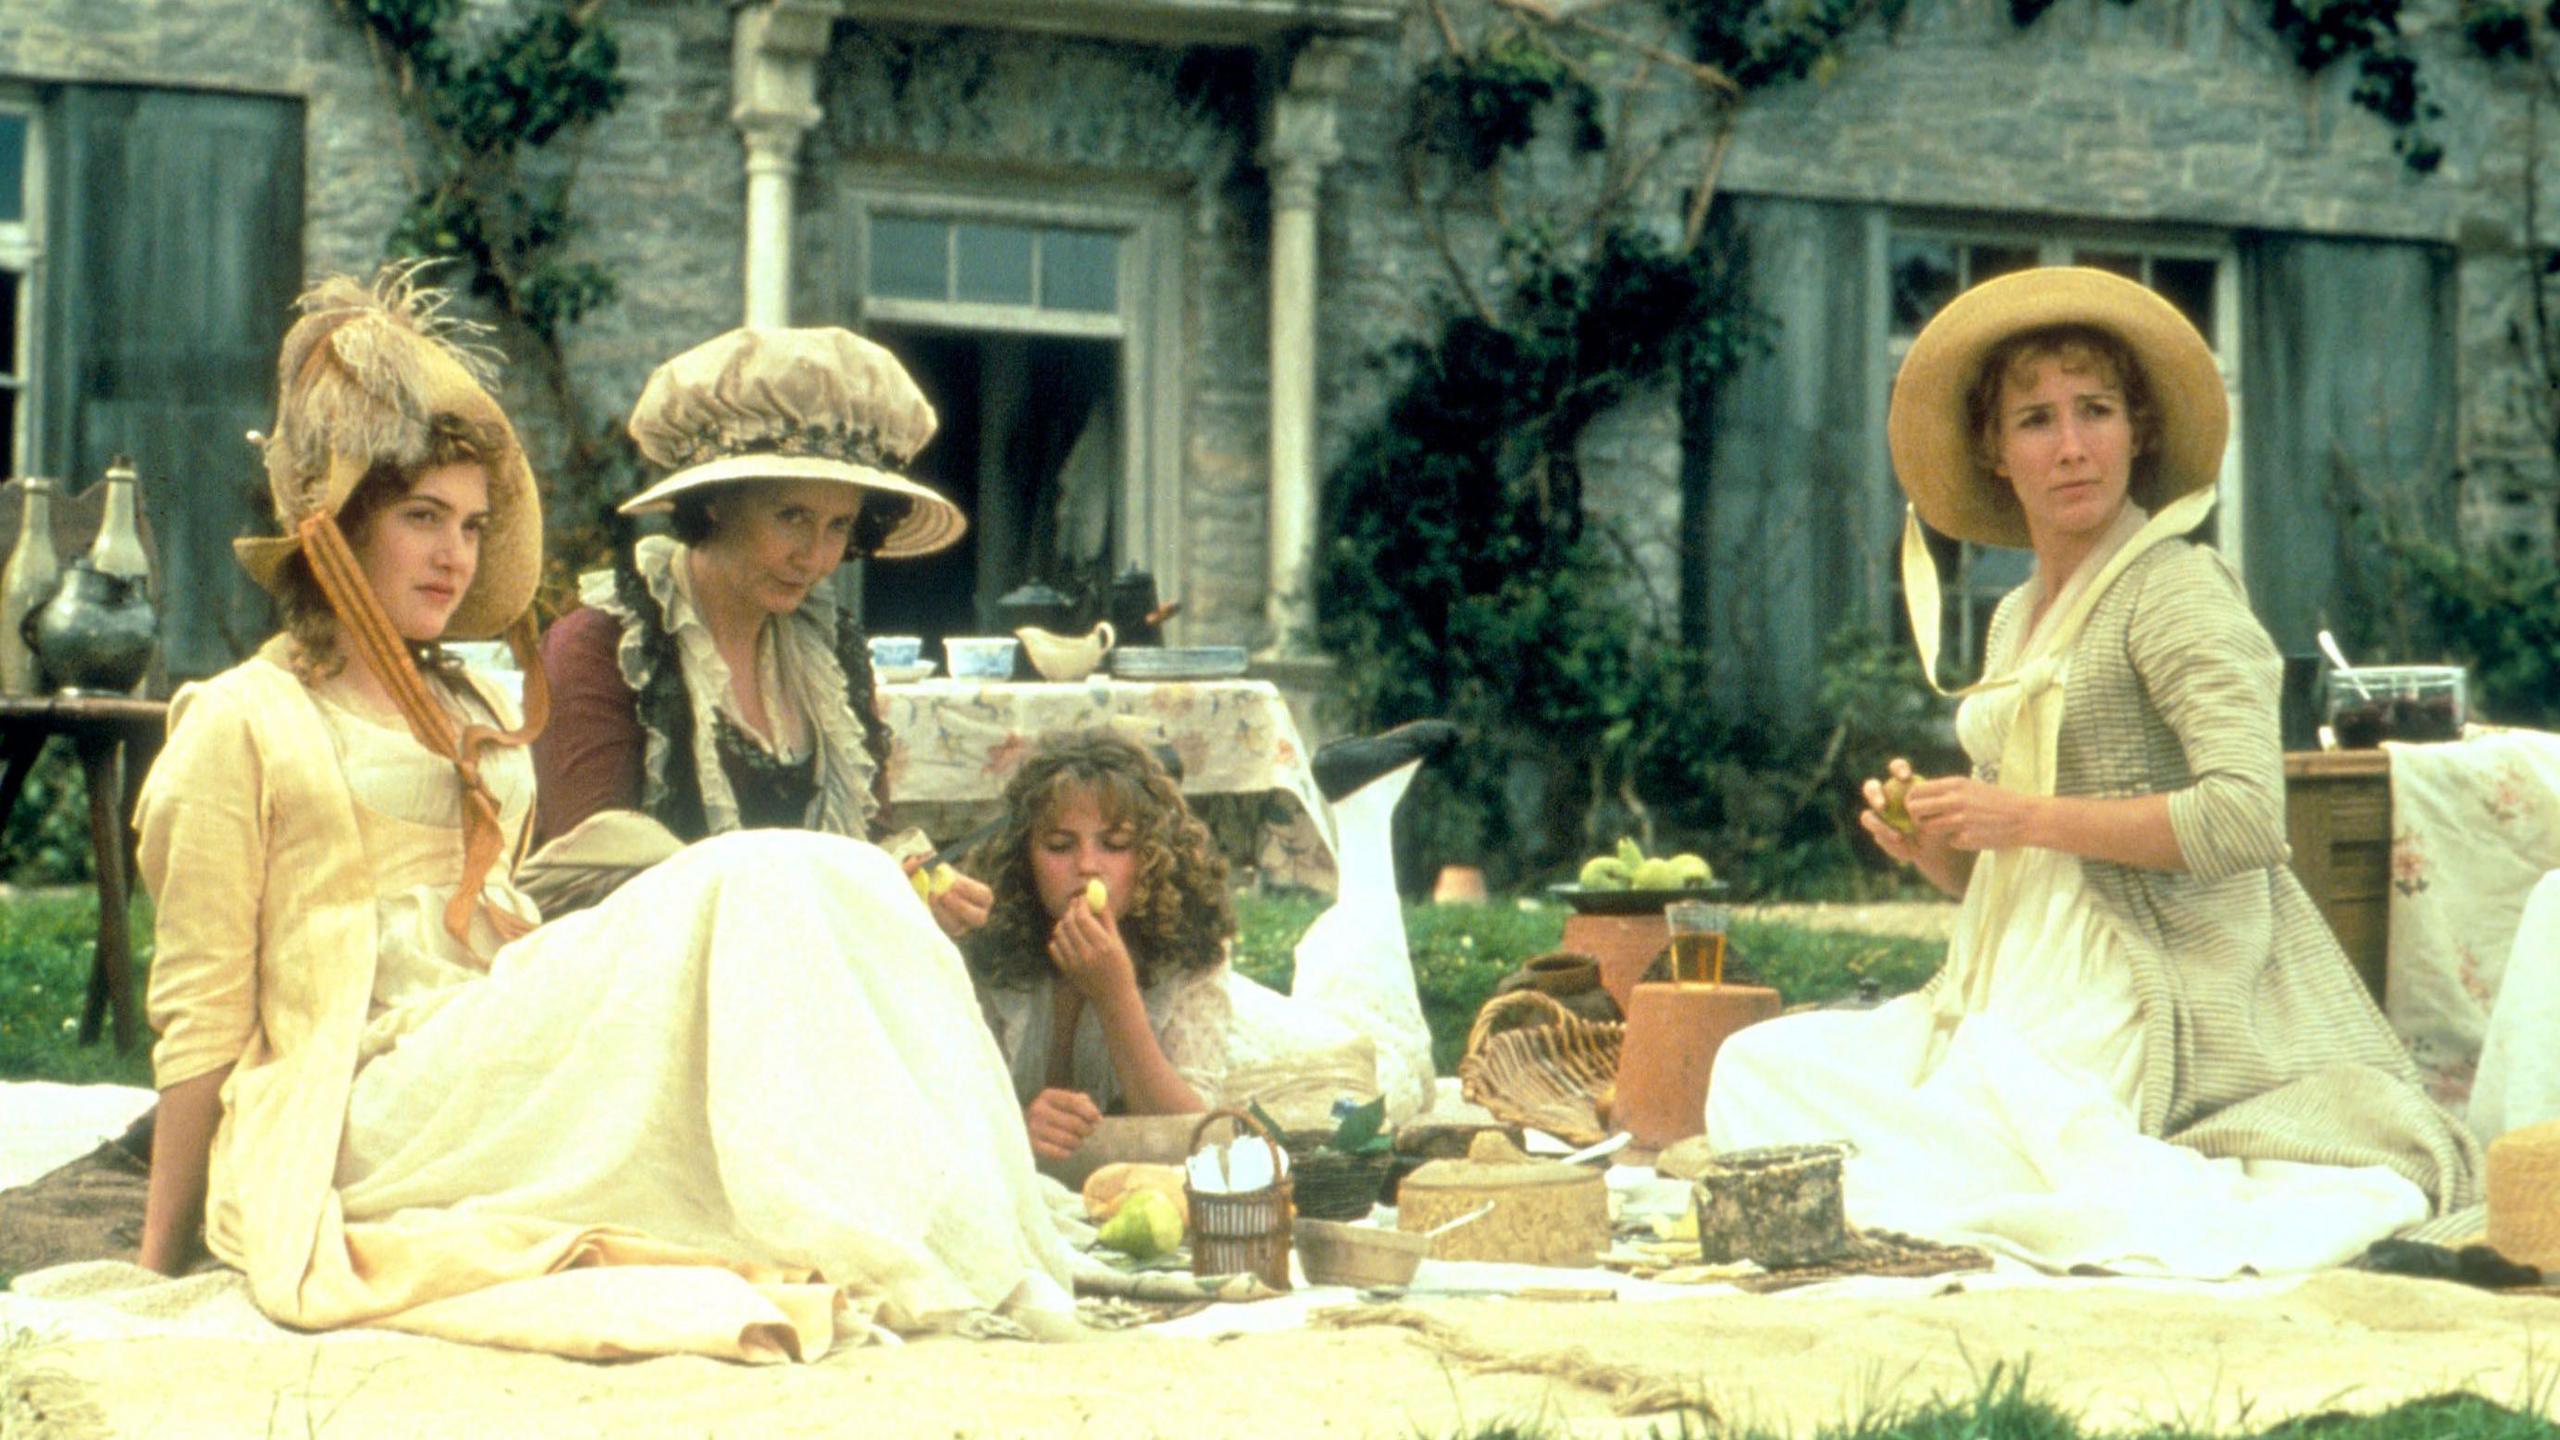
(47, 841)
(2498, 613)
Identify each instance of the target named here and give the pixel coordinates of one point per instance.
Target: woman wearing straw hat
(711, 680)
(2145, 1049)
(395, 1097)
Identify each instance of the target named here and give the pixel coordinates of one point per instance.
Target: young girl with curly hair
(1104, 966)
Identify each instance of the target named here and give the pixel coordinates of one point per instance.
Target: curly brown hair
(306, 613)
(1181, 915)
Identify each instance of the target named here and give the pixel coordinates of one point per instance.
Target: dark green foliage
(1758, 44)
(1458, 581)
(48, 835)
(2497, 31)
(554, 71)
(2498, 613)
(1477, 107)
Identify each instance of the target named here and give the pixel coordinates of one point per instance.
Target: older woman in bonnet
(394, 1095)
(712, 680)
(2145, 1050)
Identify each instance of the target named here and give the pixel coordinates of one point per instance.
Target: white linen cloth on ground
(1351, 1023)
(2016, 1124)
(45, 1125)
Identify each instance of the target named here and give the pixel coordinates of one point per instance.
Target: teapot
(1066, 658)
(96, 635)
(1035, 604)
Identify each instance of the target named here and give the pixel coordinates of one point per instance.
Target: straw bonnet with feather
(774, 403)
(364, 375)
(1939, 460)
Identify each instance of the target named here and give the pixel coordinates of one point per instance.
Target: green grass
(2004, 1408)
(46, 942)
(1460, 952)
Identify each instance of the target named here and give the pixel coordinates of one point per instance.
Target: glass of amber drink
(1697, 941)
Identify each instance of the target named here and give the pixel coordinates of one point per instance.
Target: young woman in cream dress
(2146, 1052)
(741, 1106)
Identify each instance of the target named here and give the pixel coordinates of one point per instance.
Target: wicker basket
(1558, 1076)
(1247, 1231)
(1329, 1185)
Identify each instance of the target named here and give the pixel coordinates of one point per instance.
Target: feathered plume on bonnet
(363, 376)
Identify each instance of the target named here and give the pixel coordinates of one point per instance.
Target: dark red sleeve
(589, 757)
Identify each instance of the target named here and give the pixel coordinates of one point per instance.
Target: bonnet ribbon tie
(368, 628)
(2027, 752)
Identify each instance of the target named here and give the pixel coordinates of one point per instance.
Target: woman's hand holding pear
(1901, 821)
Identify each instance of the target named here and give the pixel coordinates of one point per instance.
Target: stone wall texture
(2162, 113)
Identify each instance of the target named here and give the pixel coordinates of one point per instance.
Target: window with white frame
(18, 253)
(1929, 264)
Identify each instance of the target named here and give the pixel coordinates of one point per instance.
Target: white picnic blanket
(45, 1125)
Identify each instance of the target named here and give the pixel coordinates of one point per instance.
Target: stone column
(1301, 143)
(774, 53)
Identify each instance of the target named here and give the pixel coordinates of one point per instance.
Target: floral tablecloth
(1244, 767)
(2475, 825)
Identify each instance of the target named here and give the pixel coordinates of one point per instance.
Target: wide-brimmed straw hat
(362, 379)
(1934, 451)
(768, 403)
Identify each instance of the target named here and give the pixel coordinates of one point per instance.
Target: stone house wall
(2160, 113)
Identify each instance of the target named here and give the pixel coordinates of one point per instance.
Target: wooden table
(2337, 818)
(102, 730)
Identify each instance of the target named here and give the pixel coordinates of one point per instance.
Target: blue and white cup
(896, 652)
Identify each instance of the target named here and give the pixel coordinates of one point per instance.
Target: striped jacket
(2259, 1040)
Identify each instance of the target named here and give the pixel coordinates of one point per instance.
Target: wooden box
(2337, 817)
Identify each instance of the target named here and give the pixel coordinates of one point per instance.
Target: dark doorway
(1030, 447)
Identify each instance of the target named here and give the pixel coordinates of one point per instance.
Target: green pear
(1693, 869)
(1896, 812)
(1630, 853)
(1605, 872)
(1657, 875)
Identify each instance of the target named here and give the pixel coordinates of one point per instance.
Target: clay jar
(1673, 1033)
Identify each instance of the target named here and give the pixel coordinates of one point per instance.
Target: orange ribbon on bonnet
(368, 628)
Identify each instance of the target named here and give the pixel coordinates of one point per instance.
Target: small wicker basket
(1244, 1231)
(1558, 1076)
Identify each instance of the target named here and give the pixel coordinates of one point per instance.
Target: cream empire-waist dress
(2017, 1127)
(763, 1049)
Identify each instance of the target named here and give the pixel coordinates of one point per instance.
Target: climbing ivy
(1461, 576)
(490, 102)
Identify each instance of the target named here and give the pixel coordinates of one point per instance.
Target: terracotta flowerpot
(1625, 946)
(1673, 1033)
(1459, 885)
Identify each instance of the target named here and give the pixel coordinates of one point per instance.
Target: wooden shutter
(2349, 382)
(173, 255)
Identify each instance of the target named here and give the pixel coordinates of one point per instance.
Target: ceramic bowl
(981, 657)
(896, 652)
